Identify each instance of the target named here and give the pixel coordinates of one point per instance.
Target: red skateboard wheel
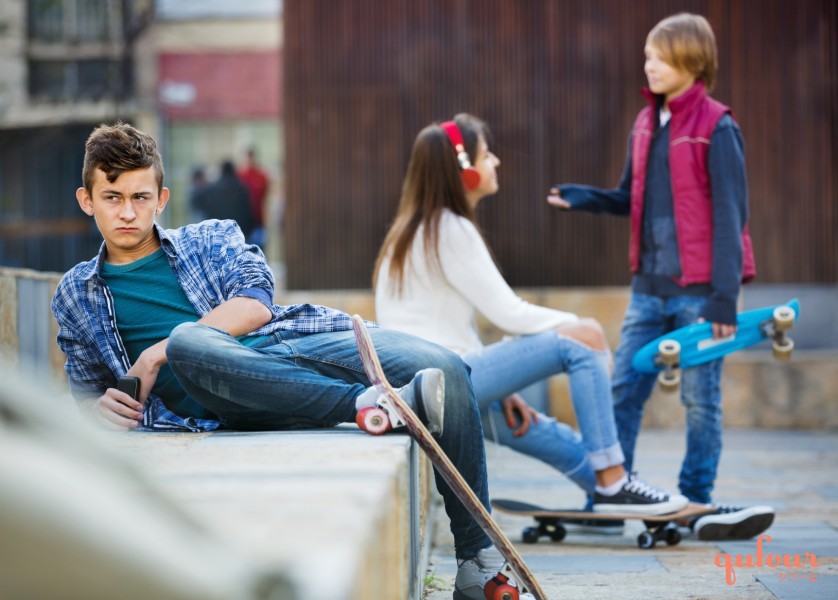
(373, 420)
(498, 588)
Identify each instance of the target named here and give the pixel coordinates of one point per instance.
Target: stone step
(331, 514)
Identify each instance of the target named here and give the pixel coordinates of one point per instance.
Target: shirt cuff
(720, 311)
(257, 293)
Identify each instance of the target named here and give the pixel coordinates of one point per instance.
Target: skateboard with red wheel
(392, 411)
(695, 345)
(551, 522)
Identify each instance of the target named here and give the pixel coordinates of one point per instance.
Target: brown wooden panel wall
(558, 83)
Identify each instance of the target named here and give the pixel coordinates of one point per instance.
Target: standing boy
(684, 187)
(190, 312)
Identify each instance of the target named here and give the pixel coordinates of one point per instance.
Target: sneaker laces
(641, 488)
(726, 509)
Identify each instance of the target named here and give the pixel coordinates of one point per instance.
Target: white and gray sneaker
(638, 497)
(474, 573)
(425, 394)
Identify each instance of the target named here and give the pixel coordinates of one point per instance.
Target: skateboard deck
(694, 344)
(396, 407)
(551, 522)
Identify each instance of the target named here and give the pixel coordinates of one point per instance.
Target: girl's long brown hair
(432, 183)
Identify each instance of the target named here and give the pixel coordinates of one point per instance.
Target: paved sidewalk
(796, 472)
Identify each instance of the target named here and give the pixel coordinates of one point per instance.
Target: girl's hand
(514, 404)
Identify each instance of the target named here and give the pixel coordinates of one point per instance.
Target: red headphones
(469, 175)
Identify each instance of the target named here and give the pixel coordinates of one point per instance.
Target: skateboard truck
(669, 355)
(782, 321)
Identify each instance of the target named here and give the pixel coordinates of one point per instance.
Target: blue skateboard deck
(694, 344)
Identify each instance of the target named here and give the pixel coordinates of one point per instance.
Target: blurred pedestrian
(226, 198)
(255, 179)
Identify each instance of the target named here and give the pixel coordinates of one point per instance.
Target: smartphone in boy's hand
(129, 385)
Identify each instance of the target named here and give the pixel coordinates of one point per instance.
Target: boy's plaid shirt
(212, 263)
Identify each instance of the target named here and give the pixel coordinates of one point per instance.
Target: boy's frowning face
(663, 78)
(124, 211)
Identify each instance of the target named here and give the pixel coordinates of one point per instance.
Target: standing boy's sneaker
(733, 522)
(474, 573)
(638, 497)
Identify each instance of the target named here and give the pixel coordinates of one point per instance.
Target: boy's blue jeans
(510, 365)
(306, 381)
(648, 317)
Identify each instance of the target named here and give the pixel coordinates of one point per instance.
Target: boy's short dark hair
(116, 149)
(686, 41)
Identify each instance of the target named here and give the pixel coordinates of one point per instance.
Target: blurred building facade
(202, 76)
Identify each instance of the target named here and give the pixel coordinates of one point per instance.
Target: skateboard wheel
(669, 351)
(673, 536)
(373, 420)
(646, 540)
(669, 381)
(782, 349)
(498, 588)
(783, 318)
(530, 535)
(558, 533)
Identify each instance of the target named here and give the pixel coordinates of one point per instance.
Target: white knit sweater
(440, 306)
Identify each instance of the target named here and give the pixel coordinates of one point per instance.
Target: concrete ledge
(339, 512)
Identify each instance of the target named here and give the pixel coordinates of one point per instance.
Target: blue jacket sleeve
(729, 187)
(597, 200)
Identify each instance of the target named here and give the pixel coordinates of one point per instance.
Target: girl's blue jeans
(648, 317)
(305, 381)
(510, 365)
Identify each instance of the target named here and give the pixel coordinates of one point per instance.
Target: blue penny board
(698, 345)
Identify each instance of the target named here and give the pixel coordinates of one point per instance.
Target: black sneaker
(733, 522)
(638, 497)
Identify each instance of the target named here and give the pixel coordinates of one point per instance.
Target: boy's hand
(721, 330)
(115, 410)
(148, 366)
(555, 198)
(514, 404)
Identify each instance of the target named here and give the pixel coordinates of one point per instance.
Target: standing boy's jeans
(305, 381)
(508, 366)
(648, 317)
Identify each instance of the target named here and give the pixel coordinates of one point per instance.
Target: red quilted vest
(694, 117)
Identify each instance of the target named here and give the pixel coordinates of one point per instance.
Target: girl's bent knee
(586, 331)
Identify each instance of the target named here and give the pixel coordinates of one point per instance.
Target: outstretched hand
(514, 405)
(554, 197)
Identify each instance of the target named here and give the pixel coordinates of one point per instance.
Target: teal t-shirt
(149, 304)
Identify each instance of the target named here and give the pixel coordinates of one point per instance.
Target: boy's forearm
(238, 316)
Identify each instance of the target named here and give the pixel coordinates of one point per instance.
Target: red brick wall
(222, 85)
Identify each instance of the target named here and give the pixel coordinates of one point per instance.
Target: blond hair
(686, 42)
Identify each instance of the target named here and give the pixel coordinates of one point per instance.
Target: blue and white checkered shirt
(212, 263)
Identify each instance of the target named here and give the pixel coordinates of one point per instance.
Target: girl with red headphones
(435, 272)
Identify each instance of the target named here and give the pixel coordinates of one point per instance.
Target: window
(77, 50)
